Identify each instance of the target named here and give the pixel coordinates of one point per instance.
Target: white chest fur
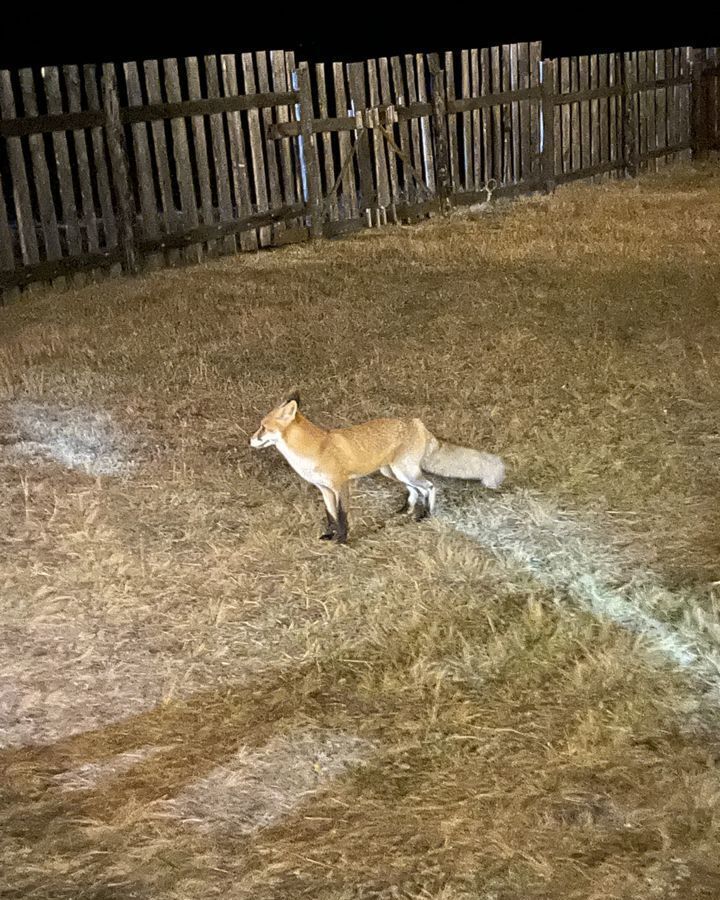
(303, 466)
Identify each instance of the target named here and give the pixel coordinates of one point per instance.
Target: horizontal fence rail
(150, 113)
(140, 165)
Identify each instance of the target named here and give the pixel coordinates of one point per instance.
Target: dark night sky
(74, 34)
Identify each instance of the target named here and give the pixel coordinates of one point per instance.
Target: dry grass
(199, 699)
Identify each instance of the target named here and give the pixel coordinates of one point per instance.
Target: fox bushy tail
(451, 461)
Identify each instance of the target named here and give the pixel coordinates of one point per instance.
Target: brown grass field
(519, 698)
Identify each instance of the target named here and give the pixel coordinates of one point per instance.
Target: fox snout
(261, 438)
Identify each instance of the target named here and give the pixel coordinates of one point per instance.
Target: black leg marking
(331, 529)
(405, 507)
(422, 510)
(342, 524)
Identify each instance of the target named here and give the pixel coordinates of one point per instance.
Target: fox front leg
(342, 498)
(336, 503)
(333, 531)
(331, 514)
(330, 530)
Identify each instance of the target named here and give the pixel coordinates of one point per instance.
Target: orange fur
(399, 448)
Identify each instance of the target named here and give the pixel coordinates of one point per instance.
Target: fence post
(124, 204)
(698, 101)
(309, 151)
(440, 122)
(630, 136)
(548, 124)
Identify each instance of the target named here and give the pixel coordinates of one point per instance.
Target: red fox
(398, 448)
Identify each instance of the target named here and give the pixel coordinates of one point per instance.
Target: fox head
(273, 425)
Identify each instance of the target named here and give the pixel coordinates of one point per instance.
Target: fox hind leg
(419, 489)
(410, 500)
(410, 505)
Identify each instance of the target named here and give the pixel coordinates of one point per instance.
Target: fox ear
(288, 411)
(295, 396)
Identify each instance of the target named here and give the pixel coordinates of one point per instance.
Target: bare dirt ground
(517, 699)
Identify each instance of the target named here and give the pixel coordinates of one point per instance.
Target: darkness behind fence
(144, 165)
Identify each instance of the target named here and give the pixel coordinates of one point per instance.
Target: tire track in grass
(572, 555)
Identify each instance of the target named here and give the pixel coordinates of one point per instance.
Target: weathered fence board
(515, 135)
(495, 86)
(452, 123)
(7, 257)
(379, 143)
(88, 218)
(328, 161)
(523, 83)
(466, 122)
(41, 172)
(551, 169)
(101, 172)
(266, 118)
(238, 155)
(415, 124)
(24, 215)
(144, 175)
(347, 174)
(486, 117)
(188, 212)
(280, 84)
(310, 164)
(552, 117)
(168, 212)
(603, 110)
(356, 82)
(63, 171)
(535, 138)
(262, 200)
(219, 148)
(479, 137)
(386, 98)
(119, 170)
(202, 162)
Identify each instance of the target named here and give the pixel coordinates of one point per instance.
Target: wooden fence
(121, 167)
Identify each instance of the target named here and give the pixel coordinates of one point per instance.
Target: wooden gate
(373, 159)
